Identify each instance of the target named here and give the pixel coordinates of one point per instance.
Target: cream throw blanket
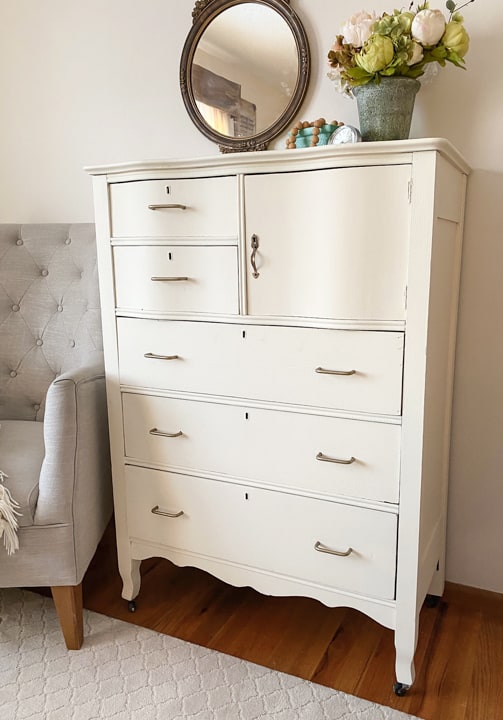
(8, 519)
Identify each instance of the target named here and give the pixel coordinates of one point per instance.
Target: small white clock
(345, 134)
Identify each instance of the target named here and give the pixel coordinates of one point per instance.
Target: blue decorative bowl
(305, 136)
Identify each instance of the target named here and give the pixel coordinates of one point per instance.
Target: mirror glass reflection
(245, 70)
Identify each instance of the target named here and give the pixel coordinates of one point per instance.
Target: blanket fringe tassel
(8, 520)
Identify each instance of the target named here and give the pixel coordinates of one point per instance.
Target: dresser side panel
(107, 295)
(428, 370)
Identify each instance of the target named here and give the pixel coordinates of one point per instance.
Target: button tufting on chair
(27, 255)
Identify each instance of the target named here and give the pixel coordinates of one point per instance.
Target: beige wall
(97, 81)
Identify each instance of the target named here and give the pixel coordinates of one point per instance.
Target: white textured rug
(125, 672)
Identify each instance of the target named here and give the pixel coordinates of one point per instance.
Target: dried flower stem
(456, 8)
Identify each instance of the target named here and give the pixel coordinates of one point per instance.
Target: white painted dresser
(279, 334)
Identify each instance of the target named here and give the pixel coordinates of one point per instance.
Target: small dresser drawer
(349, 370)
(159, 278)
(271, 531)
(202, 207)
(310, 453)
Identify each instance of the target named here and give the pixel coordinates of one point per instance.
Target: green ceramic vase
(385, 110)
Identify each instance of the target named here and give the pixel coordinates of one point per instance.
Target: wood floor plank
(207, 617)
(307, 637)
(450, 666)
(485, 698)
(350, 651)
(287, 634)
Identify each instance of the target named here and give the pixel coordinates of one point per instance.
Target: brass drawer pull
(324, 549)
(168, 206)
(326, 458)
(169, 279)
(155, 510)
(155, 431)
(254, 247)
(324, 371)
(153, 356)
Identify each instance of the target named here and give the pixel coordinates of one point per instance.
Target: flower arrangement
(370, 47)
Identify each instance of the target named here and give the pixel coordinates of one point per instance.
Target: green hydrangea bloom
(395, 25)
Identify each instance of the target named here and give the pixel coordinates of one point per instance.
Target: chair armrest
(75, 475)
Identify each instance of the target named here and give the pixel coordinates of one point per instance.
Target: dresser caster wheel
(431, 601)
(400, 689)
(131, 606)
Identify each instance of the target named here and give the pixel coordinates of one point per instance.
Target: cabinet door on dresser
(326, 244)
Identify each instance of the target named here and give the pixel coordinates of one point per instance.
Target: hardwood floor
(459, 659)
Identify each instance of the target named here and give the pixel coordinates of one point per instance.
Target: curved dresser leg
(131, 579)
(405, 644)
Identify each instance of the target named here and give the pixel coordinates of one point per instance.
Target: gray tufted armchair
(53, 421)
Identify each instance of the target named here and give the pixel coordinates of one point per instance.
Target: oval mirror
(244, 71)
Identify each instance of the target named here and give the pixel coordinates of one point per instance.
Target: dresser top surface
(327, 156)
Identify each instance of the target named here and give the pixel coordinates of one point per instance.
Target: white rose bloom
(335, 76)
(358, 28)
(417, 54)
(428, 27)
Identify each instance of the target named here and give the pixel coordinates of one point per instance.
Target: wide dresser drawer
(350, 370)
(310, 453)
(321, 542)
(159, 278)
(200, 207)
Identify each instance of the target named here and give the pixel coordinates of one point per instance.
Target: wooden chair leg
(68, 602)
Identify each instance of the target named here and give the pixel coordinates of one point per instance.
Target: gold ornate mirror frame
(217, 92)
